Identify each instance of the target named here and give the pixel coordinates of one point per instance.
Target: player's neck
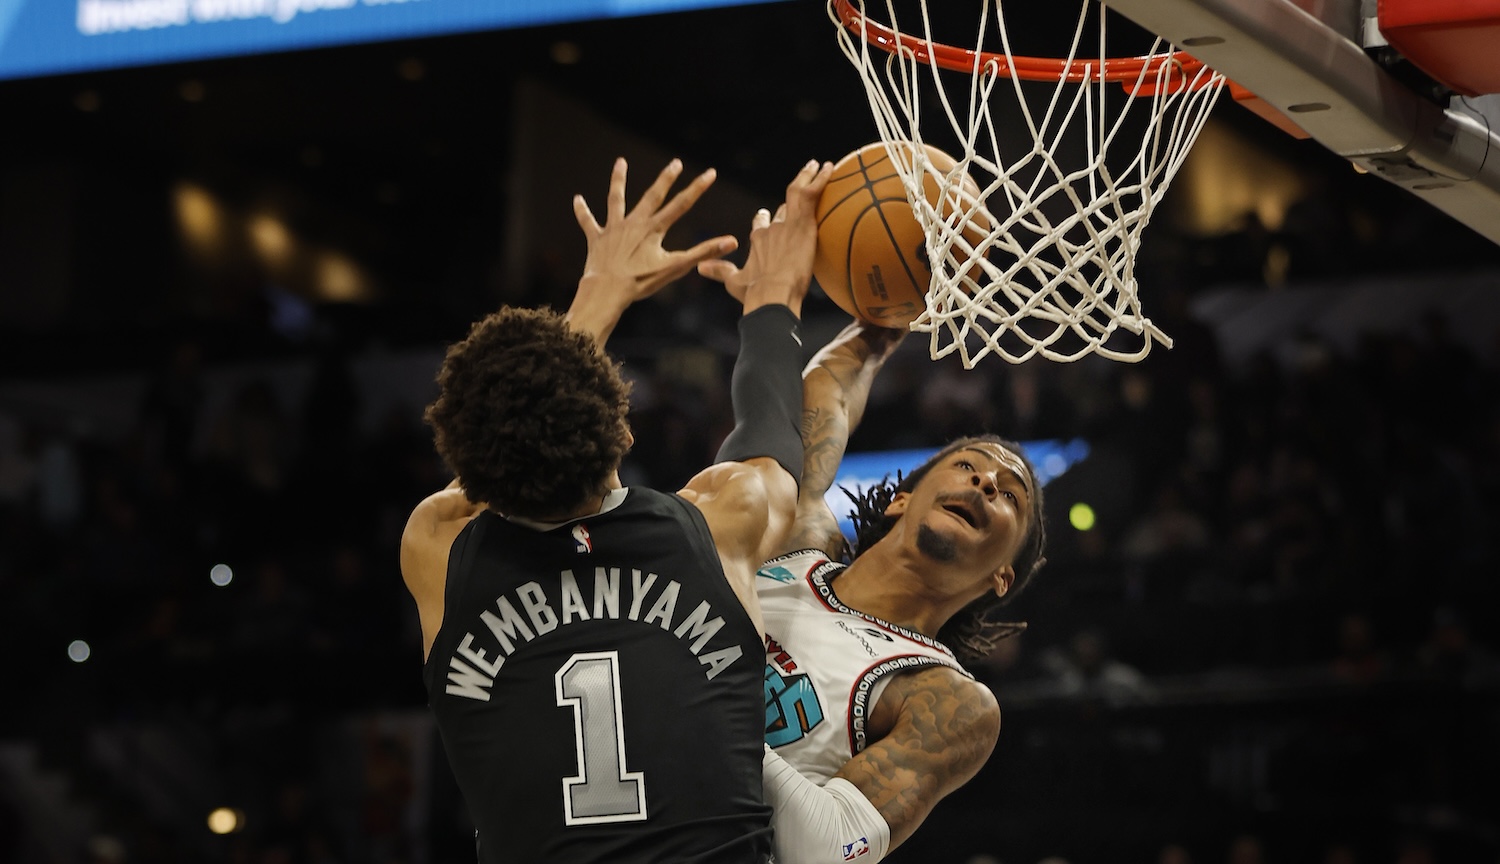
(888, 584)
(588, 508)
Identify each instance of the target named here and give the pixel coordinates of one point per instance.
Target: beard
(935, 545)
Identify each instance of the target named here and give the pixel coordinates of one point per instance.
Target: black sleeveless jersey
(598, 688)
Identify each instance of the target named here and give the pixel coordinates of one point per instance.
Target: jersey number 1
(602, 791)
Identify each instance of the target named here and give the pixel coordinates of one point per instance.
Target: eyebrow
(1025, 481)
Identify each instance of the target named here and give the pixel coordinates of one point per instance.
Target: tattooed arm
(932, 731)
(835, 387)
(936, 729)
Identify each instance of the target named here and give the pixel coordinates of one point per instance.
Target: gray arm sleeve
(766, 391)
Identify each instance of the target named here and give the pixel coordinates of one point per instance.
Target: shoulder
(446, 506)
(432, 527)
(727, 480)
(749, 505)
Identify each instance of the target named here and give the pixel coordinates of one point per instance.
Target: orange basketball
(872, 253)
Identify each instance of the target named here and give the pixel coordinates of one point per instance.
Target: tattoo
(825, 435)
(944, 728)
(817, 530)
(834, 391)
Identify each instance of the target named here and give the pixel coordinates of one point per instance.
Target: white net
(1042, 260)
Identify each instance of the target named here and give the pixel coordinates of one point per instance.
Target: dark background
(1275, 646)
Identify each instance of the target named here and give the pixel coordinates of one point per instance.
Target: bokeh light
(221, 575)
(1081, 516)
(78, 651)
(225, 820)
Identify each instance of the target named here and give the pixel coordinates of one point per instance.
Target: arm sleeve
(766, 391)
(816, 824)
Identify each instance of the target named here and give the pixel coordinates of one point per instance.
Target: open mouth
(962, 511)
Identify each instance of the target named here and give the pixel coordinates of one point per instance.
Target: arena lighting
(1081, 516)
(221, 575)
(226, 820)
(339, 279)
(1226, 176)
(199, 217)
(271, 239)
(78, 651)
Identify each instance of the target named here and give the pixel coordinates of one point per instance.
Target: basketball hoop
(1057, 261)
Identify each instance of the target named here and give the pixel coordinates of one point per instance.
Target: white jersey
(826, 664)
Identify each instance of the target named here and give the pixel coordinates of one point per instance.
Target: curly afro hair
(530, 414)
(970, 633)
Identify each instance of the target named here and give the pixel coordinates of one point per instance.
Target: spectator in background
(252, 441)
(1169, 529)
(954, 402)
(59, 483)
(1340, 853)
(1451, 653)
(1086, 671)
(1030, 410)
(17, 465)
(170, 407)
(1174, 853)
(1246, 849)
(1358, 660)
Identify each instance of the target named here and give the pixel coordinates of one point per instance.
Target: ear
(898, 504)
(1003, 579)
(629, 438)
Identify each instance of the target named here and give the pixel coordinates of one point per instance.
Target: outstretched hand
(779, 267)
(626, 261)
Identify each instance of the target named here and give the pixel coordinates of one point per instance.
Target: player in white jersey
(832, 651)
(871, 718)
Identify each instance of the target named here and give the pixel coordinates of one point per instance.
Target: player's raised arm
(835, 389)
(749, 497)
(626, 261)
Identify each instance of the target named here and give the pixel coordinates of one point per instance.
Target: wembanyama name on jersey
(533, 610)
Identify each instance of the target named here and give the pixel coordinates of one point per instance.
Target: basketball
(871, 257)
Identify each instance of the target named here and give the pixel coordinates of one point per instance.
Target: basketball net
(1047, 248)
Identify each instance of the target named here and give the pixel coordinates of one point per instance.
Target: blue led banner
(50, 37)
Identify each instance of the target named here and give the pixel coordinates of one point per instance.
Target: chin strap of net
(1041, 261)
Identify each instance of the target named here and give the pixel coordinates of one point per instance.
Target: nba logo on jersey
(858, 849)
(581, 541)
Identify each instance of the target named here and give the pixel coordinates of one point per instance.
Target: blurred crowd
(1307, 538)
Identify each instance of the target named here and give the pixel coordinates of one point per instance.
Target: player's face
(972, 508)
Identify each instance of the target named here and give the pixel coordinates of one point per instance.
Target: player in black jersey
(593, 652)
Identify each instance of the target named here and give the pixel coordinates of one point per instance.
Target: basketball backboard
(1308, 59)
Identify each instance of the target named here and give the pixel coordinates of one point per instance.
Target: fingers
(684, 200)
(717, 269)
(807, 187)
(615, 209)
(708, 249)
(819, 180)
(780, 213)
(761, 220)
(803, 176)
(658, 191)
(720, 270)
(585, 217)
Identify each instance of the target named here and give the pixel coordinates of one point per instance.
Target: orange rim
(1126, 70)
